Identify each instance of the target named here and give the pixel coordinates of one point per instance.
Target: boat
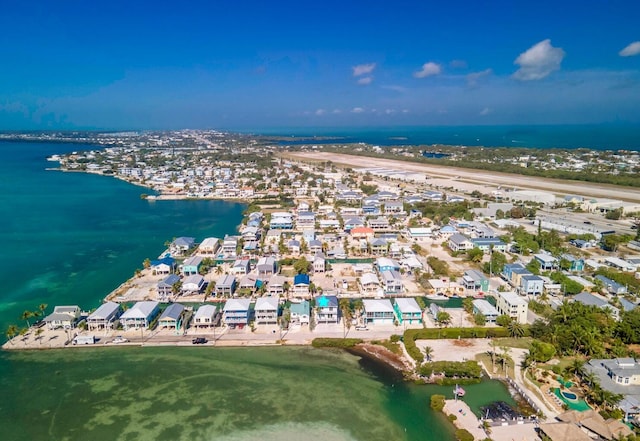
(459, 392)
(437, 297)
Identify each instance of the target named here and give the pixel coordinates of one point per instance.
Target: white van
(84, 340)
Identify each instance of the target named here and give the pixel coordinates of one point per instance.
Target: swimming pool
(569, 395)
(571, 400)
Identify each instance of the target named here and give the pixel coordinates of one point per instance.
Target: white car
(361, 328)
(119, 339)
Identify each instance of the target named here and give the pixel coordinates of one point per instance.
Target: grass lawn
(485, 359)
(511, 342)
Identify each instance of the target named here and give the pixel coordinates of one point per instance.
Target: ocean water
(70, 238)
(596, 136)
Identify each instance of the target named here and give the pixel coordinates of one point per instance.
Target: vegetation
(437, 402)
(452, 369)
(463, 435)
(335, 342)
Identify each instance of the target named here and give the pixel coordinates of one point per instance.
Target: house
(104, 317)
(489, 244)
(181, 245)
(306, 219)
(248, 283)
(237, 312)
(510, 269)
(166, 286)
(481, 306)
(571, 263)
(319, 263)
(241, 266)
(458, 242)
(327, 309)
(619, 264)
(393, 207)
(447, 231)
(378, 247)
(511, 304)
(474, 280)
(166, 265)
(205, 316)
(392, 282)
(547, 261)
(315, 246)
(369, 283)
(353, 222)
(193, 284)
(407, 310)
(139, 315)
(379, 223)
(294, 246)
(589, 299)
(281, 221)
(611, 286)
(386, 264)
(266, 310)
(531, 284)
(209, 246)
(276, 285)
(362, 233)
(595, 426)
(378, 311)
(229, 246)
(266, 267)
(301, 284)
(300, 312)
(172, 317)
(225, 286)
(63, 317)
(192, 265)
(418, 233)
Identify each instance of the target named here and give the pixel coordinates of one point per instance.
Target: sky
(266, 64)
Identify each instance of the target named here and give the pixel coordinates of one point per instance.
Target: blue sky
(258, 64)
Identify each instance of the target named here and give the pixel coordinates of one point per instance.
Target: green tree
(146, 264)
(479, 319)
(503, 320)
(475, 255)
(428, 352)
(515, 329)
(443, 318)
(302, 265)
(11, 332)
(26, 315)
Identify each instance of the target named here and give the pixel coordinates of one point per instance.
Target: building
(489, 244)
(209, 246)
(619, 376)
(301, 284)
(276, 285)
(392, 282)
(193, 284)
(589, 299)
(225, 286)
(474, 280)
(172, 317)
(378, 311)
(611, 286)
(511, 304)
(481, 306)
(300, 312)
(104, 317)
(531, 284)
(407, 311)
(166, 287)
(192, 265)
(166, 265)
(266, 267)
(327, 310)
(547, 261)
(139, 315)
(205, 316)
(63, 317)
(181, 245)
(459, 242)
(236, 312)
(266, 310)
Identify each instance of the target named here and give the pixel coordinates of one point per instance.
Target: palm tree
(12, 331)
(42, 308)
(39, 332)
(505, 358)
(493, 345)
(428, 352)
(576, 367)
(515, 329)
(26, 315)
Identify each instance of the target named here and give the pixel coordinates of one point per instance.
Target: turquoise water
(595, 136)
(573, 404)
(70, 238)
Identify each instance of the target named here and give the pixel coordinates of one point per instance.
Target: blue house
(612, 286)
(531, 285)
(508, 269)
(301, 284)
(166, 265)
(488, 244)
(575, 263)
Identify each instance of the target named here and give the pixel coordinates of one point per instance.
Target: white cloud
(428, 69)
(538, 61)
(472, 78)
(363, 69)
(395, 88)
(365, 80)
(357, 110)
(631, 50)
(336, 111)
(320, 112)
(389, 111)
(485, 111)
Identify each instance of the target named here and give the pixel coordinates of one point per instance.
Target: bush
(542, 352)
(437, 402)
(452, 418)
(335, 342)
(463, 435)
(451, 369)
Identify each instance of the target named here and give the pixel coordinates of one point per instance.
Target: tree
(11, 332)
(475, 255)
(42, 308)
(505, 358)
(146, 263)
(26, 315)
(302, 265)
(467, 304)
(443, 318)
(479, 319)
(428, 352)
(503, 320)
(515, 329)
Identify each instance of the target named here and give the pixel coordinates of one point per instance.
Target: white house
(139, 315)
(378, 311)
(266, 310)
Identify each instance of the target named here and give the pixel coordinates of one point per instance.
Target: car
(119, 339)
(361, 328)
(199, 341)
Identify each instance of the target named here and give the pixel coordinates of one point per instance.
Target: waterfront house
(63, 317)
(327, 309)
(378, 224)
(209, 246)
(362, 233)
(237, 312)
(300, 312)
(166, 265)
(193, 284)
(369, 283)
(266, 310)
(511, 304)
(226, 285)
(530, 284)
(392, 282)
(386, 264)
(104, 317)
(241, 267)
(205, 316)
(172, 317)
(301, 284)
(139, 315)
(166, 287)
(248, 283)
(378, 247)
(281, 221)
(407, 310)
(229, 246)
(319, 263)
(474, 280)
(181, 245)
(192, 265)
(276, 285)
(378, 311)
(266, 267)
(481, 306)
(459, 242)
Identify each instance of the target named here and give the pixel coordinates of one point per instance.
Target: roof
(237, 305)
(386, 262)
(170, 280)
(194, 278)
(140, 310)
(193, 261)
(546, 258)
(458, 239)
(225, 281)
(408, 305)
(205, 311)
(327, 301)
(589, 299)
(267, 304)
(164, 261)
(301, 279)
(512, 298)
(300, 308)
(377, 305)
(369, 278)
(564, 432)
(104, 311)
(484, 307)
(184, 241)
(172, 312)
